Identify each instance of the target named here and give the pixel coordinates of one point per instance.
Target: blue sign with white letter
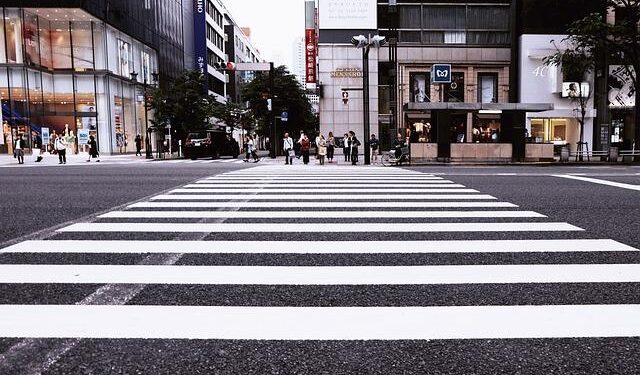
(441, 73)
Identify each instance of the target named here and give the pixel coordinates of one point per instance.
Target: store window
(61, 45)
(420, 87)
(46, 60)
(458, 128)
(487, 88)
(454, 91)
(125, 58)
(13, 36)
(31, 39)
(419, 131)
(549, 130)
(82, 45)
(486, 129)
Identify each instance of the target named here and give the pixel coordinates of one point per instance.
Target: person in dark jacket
(19, 147)
(37, 147)
(354, 143)
(138, 141)
(305, 147)
(93, 149)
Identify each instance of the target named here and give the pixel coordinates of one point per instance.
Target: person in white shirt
(19, 149)
(61, 148)
(287, 147)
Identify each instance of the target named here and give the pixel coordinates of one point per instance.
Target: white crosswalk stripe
(315, 219)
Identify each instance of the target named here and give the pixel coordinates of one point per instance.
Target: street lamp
(366, 43)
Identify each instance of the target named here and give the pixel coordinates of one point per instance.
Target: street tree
(183, 103)
(614, 42)
(288, 96)
(233, 114)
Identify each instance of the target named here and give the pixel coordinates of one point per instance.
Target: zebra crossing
(298, 228)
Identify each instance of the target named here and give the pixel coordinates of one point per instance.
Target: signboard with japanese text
(83, 136)
(310, 54)
(348, 14)
(200, 37)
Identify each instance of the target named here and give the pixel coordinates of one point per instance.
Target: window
(454, 91)
(487, 88)
(124, 58)
(420, 87)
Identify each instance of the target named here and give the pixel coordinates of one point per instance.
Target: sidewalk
(51, 160)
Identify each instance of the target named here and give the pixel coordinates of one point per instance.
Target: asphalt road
(41, 200)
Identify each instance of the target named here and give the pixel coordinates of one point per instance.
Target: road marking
(309, 275)
(323, 197)
(342, 205)
(318, 247)
(316, 214)
(601, 182)
(331, 191)
(317, 227)
(318, 184)
(319, 323)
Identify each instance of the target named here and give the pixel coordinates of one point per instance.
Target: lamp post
(365, 43)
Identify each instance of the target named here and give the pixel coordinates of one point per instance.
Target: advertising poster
(45, 136)
(310, 53)
(348, 15)
(83, 136)
(621, 90)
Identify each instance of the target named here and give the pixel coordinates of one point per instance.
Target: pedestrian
(331, 147)
(374, 145)
(317, 141)
(254, 151)
(345, 148)
(247, 150)
(138, 141)
(18, 149)
(289, 152)
(305, 147)
(322, 149)
(37, 147)
(354, 143)
(93, 149)
(61, 149)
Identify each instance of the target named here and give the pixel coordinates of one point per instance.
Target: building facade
(81, 69)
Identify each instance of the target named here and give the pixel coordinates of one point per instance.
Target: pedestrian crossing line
(430, 184)
(316, 214)
(324, 275)
(324, 197)
(319, 323)
(342, 178)
(331, 191)
(601, 182)
(318, 247)
(318, 227)
(342, 205)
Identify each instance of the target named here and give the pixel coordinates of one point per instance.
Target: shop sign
(348, 15)
(441, 73)
(200, 38)
(310, 53)
(83, 136)
(45, 136)
(346, 73)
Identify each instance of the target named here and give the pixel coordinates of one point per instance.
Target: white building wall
(543, 84)
(335, 116)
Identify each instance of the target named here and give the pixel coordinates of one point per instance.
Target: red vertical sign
(310, 52)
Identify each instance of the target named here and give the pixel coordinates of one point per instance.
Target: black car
(213, 144)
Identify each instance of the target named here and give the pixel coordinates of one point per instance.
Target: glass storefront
(76, 75)
(545, 130)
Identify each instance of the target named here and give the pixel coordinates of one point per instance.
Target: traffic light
(222, 66)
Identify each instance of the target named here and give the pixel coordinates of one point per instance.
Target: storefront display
(486, 130)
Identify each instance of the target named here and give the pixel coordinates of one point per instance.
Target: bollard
(613, 154)
(564, 154)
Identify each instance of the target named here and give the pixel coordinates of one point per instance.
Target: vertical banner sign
(310, 51)
(200, 37)
(45, 136)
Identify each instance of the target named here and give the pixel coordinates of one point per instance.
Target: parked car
(213, 144)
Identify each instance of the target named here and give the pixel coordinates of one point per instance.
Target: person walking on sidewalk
(345, 148)
(322, 149)
(37, 147)
(61, 149)
(254, 151)
(374, 145)
(93, 149)
(354, 143)
(331, 147)
(138, 141)
(18, 149)
(305, 147)
(287, 147)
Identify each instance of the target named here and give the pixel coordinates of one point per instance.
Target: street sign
(284, 116)
(441, 73)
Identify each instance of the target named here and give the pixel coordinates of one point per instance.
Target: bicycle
(389, 158)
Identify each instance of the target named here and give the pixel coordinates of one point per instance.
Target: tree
(232, 114)
(577, 63)
(184, 103)
(289, 96)
(617, 42)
